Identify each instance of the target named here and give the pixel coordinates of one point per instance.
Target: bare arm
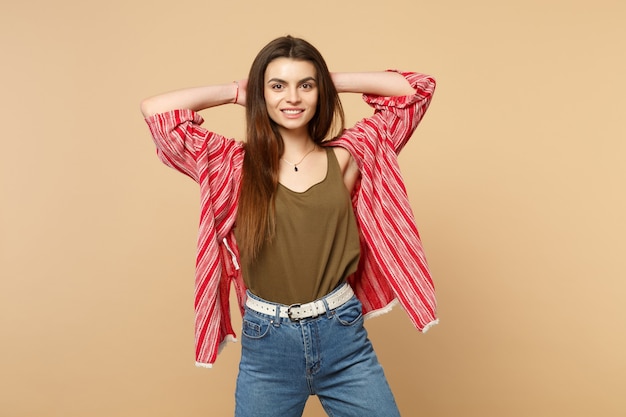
(389, 84)
(196, 98)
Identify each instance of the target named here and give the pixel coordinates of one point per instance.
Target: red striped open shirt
(392, 264)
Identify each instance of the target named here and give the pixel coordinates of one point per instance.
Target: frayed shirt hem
(386, 309)
(229, 338)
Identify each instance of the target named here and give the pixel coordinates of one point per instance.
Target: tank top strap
(334, 170)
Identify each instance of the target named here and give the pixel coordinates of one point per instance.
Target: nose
(293, 95)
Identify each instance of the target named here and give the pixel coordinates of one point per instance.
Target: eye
(307, 86)
(277, 86)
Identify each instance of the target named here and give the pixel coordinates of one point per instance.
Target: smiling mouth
(292, 111)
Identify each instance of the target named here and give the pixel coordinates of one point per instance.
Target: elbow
(425, 85)
(432, 82)
(147, 107)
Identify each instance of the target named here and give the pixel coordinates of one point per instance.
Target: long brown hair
(264, 144)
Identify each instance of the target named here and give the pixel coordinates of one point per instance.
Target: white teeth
(292, 111)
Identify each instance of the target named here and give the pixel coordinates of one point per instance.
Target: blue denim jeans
(283, 362)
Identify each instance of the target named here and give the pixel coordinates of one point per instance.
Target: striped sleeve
(396, 118)
(393, 263)
(214, 162)
(179, 139)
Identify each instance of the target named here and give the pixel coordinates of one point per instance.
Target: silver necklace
(295, 166)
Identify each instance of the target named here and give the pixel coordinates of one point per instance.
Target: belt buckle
(289, 312)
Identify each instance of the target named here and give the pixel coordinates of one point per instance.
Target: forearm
(387, 83)
(196, 99)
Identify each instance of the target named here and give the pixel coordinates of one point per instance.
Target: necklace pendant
(295, 169)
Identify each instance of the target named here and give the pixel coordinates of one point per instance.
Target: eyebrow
(285, 82)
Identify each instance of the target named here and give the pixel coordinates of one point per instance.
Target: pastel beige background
(516, 177)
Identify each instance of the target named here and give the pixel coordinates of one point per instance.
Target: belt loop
(328, 312)
(277, 316)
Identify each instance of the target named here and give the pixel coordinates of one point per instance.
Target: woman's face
(291, 93)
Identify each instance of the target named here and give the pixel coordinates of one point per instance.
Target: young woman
(308, 220)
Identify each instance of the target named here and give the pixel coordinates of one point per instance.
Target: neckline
(315, 184)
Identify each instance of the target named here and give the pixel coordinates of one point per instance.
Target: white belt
(302, 311)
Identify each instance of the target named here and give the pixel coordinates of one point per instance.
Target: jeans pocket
(350, 313)
(255, 327)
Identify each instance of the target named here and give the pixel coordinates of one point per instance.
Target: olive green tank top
(316, 244)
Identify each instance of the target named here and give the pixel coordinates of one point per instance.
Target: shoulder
(343, 157)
